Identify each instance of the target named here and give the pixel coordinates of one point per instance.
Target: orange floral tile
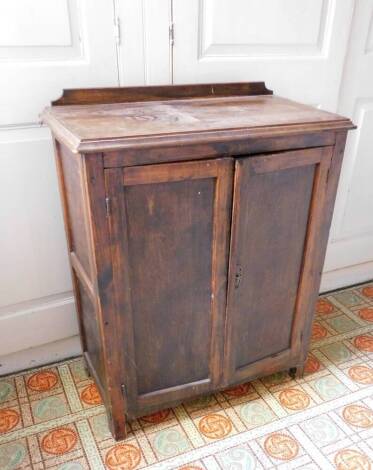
(215, 426)
(59, 441)
(362, 374)
(324, 307)
(42, 381)
(123, 456)
(90, 395)
(351, 459)
(358, 415)
(366, 314)
(9, 419)
(280, 446)
(312, 365)
(364, 342)
(294, 399)
(367, 291)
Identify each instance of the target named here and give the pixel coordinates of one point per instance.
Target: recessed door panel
(170, 230)
(276, 212)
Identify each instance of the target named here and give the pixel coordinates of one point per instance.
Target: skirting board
(36, 322)
(345, 277)
(41, 355)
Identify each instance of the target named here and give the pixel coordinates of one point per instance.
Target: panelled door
(349, 258)
(296, 46)
(45, 46)
(274, 263)
(48, 46)
(170, 227)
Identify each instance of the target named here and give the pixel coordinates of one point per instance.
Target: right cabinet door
(275, 260)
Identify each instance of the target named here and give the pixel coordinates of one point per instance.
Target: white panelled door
(45, 46)
(48, 45)
(350, 253)
(296, 46)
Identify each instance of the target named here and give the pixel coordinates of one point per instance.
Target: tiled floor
(52, 417)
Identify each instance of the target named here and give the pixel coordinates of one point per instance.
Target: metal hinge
(118, 30)
(123, 388)
(171, 33)
(108, 206)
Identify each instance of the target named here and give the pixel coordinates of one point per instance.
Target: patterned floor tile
(53, 417)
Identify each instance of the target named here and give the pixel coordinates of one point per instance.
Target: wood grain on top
(85, 128)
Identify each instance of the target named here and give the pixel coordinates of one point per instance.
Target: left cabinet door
(169, 226)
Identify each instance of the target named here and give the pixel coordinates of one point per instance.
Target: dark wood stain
(170, 238)
(159, 93)
(271, 265)
(197, 220)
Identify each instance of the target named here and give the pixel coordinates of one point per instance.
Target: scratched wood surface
(81, 126)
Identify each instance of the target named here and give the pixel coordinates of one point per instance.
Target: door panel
(271, 259)
(251, 40)
(48, 46)
(273, 200)
(170, 231)
(173, 269)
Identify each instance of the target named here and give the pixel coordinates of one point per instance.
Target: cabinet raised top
(165, 119)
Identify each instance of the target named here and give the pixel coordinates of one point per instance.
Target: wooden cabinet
(197, 219)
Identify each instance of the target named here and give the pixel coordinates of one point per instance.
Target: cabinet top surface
(101, 127)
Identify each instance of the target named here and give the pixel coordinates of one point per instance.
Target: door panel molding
(261, 26)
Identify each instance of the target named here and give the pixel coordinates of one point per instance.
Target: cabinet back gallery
(197, 220)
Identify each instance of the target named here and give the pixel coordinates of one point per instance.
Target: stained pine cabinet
(197, 219)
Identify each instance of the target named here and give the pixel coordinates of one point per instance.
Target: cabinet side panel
(94, 349)
(170, 230)
(71, 167)
(273, 214)
(71, 179)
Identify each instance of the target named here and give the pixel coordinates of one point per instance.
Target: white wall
(47, 45)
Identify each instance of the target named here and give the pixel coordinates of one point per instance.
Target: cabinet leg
(296, 372)
(117, 426)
